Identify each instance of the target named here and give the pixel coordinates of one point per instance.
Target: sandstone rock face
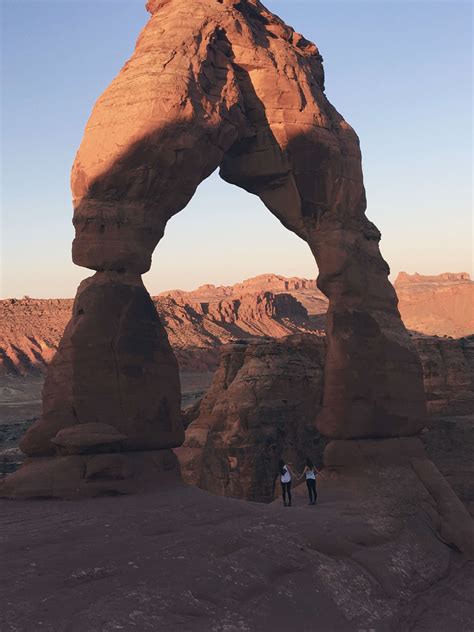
(305, 291)
(91, 475)
(227, 84)
(261, 407)
(114, 366)
(413, 478)
(268, 393)
(448, 374)
(84, 438)
(449, 443)
(221, 84)
(30, 332)
(437, 305)
(196, 324)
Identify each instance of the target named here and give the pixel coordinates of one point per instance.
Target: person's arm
(292, 473)
(296, 475)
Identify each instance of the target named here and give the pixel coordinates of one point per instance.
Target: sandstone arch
(221, 84)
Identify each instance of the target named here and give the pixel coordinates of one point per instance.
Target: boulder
(86, 438)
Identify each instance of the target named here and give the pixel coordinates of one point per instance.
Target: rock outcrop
(305, 291)
(227, 84)
(448, 374)
(30, 332)
(449, 443)
(437, 305)
(260, 407)
(196, 325)
(221, 84)
(199, 321)
(265, 395)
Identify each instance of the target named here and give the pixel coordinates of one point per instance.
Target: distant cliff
(437, 305)
(30, 329)
(198, 322)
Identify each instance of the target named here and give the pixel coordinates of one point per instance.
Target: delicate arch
(222, 84)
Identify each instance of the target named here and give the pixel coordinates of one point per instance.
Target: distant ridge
(199, 321)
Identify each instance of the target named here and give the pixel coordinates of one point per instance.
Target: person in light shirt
(285, 480)
(310, 472)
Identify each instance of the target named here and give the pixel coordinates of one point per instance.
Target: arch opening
(246, 96)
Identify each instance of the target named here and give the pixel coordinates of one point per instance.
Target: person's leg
(283, 492)
(310, 493)
(315, 493)
(288, 487)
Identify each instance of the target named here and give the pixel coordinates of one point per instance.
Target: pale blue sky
(399, 72)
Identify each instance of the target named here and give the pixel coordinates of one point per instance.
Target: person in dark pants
(285, 480)
(310, 472)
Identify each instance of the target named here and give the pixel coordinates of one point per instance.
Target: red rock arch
(221, 84)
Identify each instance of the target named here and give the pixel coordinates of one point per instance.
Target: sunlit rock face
(226, 84)
(260, 407)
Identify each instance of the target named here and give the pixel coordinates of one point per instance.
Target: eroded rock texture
(114, 366)
(439, 304)
(227, 84)
(260, 407)
(448, 373)
(223, 84)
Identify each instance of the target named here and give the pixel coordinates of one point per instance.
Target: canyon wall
(264, 398)
(199, 321)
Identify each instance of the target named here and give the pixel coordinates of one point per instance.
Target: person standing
(285, 480)
(310, 472)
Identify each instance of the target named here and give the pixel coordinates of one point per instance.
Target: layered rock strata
(261, 405)
(266, 394)
(448, 374)
(442, 304)
(196, 324)
(222, 84)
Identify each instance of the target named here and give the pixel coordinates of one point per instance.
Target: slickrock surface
(376, 553)
(262, 404)
(437, 305)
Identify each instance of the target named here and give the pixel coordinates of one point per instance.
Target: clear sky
(399, 72)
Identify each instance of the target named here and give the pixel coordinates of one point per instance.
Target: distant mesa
(441, 305)
(404, 278)
(199, 321)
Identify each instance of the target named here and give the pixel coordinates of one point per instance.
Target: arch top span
(221, 84)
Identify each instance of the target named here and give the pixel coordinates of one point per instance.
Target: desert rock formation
(30, 332)
(227, 84)
(437, 305)
(196, 324)
(199, 321)
(220, 84)
(370, 556)
(305, 291)
(265, 395)
(261, 405)
(448, 374)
